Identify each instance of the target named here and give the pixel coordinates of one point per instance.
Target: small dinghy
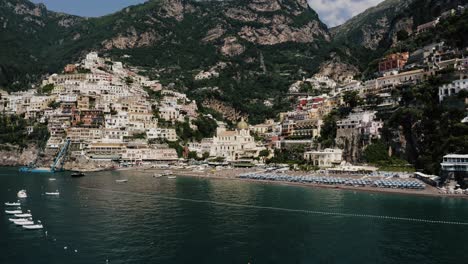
(22, 194)
(121, 181)
(23, 215)
(13, 212)
(33, 227)
(53, 193)
(12, 204)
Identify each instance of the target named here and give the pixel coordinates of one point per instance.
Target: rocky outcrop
(281, 33)
(172, 9)
(11, 155)
(131, 39)
(214, 34)
(265, 5)
(337, 70)
(228, 112)
(232, 47)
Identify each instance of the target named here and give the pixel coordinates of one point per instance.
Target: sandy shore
(231, 174)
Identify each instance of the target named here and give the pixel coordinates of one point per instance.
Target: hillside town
(101, 114)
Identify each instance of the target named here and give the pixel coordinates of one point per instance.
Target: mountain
(371, 33)
(31, 40)
(264, 44)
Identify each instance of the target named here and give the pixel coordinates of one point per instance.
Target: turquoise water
(190, 220)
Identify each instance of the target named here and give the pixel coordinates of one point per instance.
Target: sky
(331, 12)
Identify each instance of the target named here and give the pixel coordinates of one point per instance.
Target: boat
(52, 179)
(121, 181)
(13, 212)
(22, 194)
(33, 227)
(167, 173)
(156, 175)
(53, 193)
(12, 204)
(23, 215)
(171, 177)
(23, 223)
(77, 174)
(18, 219)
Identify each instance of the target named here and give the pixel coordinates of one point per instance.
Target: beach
(232, 174)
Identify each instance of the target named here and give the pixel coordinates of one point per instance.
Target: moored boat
(121, 181)
(23, 223)
(18, 219)
(23, 215)
(13, 212)
(12, 204)
(77, 174)
(22, 194)
(53, 193)
(33, 227)
(171, 177)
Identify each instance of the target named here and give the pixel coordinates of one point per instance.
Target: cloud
(336, 12)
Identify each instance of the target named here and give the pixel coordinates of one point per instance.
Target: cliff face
(14, 156)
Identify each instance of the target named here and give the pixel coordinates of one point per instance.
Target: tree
(351, 98)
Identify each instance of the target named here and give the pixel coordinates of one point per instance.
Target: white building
(452, 88)
(162, 133)
(324, 158)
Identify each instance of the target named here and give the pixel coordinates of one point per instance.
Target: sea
(202, 220)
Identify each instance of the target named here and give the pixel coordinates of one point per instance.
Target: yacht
(22, 194)
(33, 227)
(23, 215)
(12, 204)
(13, 212)
(23, 223)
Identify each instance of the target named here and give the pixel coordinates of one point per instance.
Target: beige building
(235, 145)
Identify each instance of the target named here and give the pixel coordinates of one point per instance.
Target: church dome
(242, 124)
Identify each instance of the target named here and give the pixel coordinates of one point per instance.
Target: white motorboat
(53, 193)
(156, 175)
(171, 177)
(13, 212)
(12, 204)
(52, 179)
(19, 219)
(22, 194)
(33, 227)
(121, 181)
(23, 215)
(23, 223)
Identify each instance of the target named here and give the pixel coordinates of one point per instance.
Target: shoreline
(430, 191)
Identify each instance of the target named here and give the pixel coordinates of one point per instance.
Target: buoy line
(420, 220)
